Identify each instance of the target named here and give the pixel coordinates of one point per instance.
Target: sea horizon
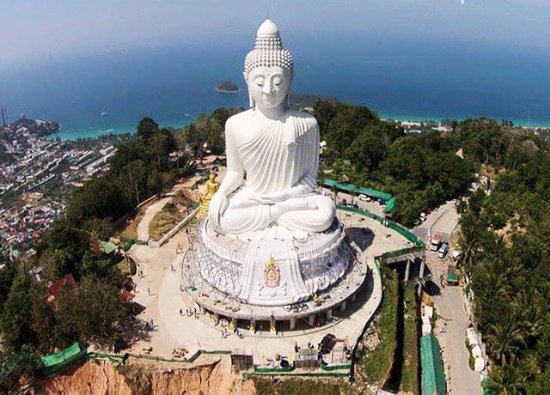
(398, 79)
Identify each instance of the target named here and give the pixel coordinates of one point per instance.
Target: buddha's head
(268, 70)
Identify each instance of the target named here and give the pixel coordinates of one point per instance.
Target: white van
(363, 198)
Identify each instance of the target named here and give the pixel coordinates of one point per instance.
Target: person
(272, 156)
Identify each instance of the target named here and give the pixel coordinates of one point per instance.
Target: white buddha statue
(269, 189)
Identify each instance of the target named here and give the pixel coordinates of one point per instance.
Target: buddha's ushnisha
(272, 155)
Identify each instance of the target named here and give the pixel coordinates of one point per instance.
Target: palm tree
(506, 337)
(507, 380)
(469, 242)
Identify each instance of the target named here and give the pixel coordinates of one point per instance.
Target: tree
(162, 144)
(507, 380)
(43, 322)
(146, 129)
(98, 198)
(507, 338)
(96, 314)
(14, 323)
(7, 273)
(95, 245)
(135, 176)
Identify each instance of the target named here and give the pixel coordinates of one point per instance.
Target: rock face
(99, 377)
(94, 377)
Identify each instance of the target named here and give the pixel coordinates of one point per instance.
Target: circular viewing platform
(226, 279)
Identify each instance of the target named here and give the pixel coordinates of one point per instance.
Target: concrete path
(437, 215)
(152, 210)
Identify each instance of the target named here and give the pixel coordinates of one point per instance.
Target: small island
(227, 87)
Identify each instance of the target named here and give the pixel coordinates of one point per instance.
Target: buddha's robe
(282, 155)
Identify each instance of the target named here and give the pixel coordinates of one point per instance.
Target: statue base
(273, 272)
(290, 282)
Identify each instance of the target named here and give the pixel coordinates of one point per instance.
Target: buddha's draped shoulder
(279, 153)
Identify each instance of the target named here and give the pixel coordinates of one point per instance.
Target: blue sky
(40, 30)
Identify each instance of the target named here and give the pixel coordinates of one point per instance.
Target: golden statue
(211, 189)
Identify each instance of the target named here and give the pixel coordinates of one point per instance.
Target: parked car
(443, 250)
(435, 242)
(363, 198)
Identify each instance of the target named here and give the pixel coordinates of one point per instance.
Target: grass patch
(164, 220)
(377, 364)
(409, 378)
(130, 231)
(290, 386)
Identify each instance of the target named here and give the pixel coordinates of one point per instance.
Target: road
(451, 328)
(443, 219)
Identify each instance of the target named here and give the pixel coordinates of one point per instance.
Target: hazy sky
(43, 30)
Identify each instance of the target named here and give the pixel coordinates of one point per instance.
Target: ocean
(415, 80)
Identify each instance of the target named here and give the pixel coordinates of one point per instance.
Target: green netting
(329, 368)
(452, 277)
(61, 356)
(274, 370)
(433, 377)
(485, 385)
(107, 247)
(129, 245)
(355, 189)
(390, 206)
(292, 374)
(55, 363)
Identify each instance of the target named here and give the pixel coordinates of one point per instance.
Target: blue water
(397, 78)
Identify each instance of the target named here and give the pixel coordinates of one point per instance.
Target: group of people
(226, 333)
(179, 352)
(190, 312)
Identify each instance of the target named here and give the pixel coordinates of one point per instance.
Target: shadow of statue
(363, 237)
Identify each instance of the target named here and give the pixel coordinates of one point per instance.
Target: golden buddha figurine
(211, 189)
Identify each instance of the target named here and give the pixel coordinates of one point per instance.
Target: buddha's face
(269, 87)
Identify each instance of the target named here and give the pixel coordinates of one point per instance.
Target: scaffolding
(199, 264)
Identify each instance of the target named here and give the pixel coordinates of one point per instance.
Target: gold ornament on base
(272, 273)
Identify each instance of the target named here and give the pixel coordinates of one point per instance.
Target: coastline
(73, 133)
(91, 132)
(432, 118)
